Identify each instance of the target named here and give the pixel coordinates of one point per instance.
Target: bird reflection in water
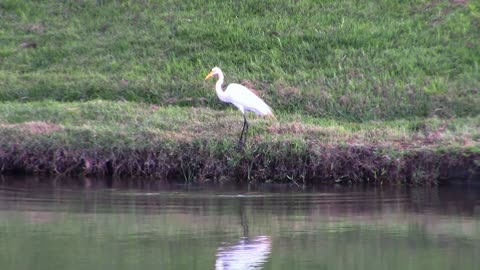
(247, 254)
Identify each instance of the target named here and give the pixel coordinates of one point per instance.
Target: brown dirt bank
(207, 161)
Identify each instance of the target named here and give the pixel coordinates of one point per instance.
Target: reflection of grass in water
(198, 212)
(137, 238)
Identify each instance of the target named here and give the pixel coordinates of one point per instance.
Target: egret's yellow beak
(209, 75)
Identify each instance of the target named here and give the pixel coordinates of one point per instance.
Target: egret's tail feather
(271, 115)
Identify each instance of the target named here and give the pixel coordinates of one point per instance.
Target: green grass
(347, 60)
(108, 124)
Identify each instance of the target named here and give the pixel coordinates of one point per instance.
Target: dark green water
(68, 226)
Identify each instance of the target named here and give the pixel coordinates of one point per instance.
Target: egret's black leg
(245, 125)
(246, 129)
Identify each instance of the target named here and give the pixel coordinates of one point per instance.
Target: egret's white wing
(240, 95)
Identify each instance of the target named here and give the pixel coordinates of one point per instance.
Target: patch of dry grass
(35, 127)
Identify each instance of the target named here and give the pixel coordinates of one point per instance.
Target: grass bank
(199, 144)
(364, 90)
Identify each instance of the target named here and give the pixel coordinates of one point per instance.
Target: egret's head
(215, 71)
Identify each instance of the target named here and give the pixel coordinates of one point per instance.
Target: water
(52, 225)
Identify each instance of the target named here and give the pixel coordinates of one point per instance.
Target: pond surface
(58, 225)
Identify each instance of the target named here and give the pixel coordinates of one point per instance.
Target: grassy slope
(355, 60)
(402, 76)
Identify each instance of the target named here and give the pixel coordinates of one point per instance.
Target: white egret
(243, 98)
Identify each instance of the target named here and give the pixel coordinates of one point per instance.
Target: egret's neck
(218, 88)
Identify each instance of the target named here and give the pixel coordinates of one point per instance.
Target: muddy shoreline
(280, 162)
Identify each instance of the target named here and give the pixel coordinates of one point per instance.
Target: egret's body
(242, 98)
